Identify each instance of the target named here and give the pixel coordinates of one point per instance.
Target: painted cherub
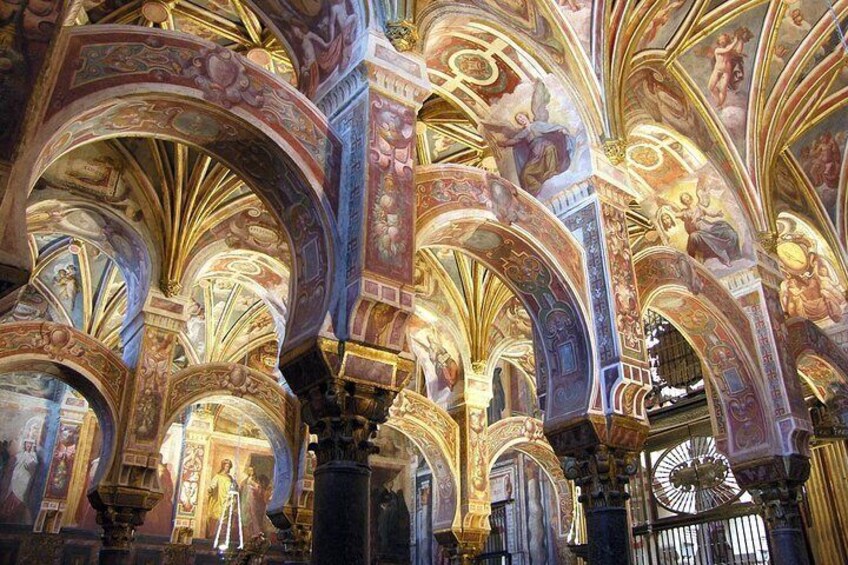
(728, 63)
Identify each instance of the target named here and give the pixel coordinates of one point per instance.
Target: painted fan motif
(693, 477)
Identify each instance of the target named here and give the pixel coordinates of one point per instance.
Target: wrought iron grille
(675, 367)
(496, 550)
(739, 539)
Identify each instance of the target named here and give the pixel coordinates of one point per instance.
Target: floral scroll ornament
(533, 430)
(238, 382)
(58, 343)
(222, 77)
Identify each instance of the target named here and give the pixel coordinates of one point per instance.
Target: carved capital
(768, 240)
(602, 475)
(119, 524)
(779, 504)
(344, 415)
(775, 485)
(402, 34)
(462, 547)
(616, 150)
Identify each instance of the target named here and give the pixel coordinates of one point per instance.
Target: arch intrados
(320, 244)
(542, 454)
(559, 292)
(808, 360)
(86, 384)
(444, 465)
(721, 417)
(266, 417)
(420, 440)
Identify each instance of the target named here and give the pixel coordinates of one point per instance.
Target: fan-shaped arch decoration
(694, 477)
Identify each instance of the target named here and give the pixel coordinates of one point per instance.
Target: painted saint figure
(17, 485)
(447, 369)
(253, 493)
(710, 236)
(217, 494)
(541, 149)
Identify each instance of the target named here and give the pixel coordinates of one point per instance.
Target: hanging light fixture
(230, 522)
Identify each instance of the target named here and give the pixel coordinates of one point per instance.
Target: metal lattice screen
(674, 364)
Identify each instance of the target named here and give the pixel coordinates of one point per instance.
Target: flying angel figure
(709, 235)
(541, 149)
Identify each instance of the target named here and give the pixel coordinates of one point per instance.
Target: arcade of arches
(423, 281)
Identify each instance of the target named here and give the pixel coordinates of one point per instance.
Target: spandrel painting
(813, 286)
(690, 205)
(543, 144)
(438, 358)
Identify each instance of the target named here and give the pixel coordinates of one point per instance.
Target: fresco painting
(796, 21)
(240, 459)
(578, 13)
(692, 209)
(30, 406)
(820, 152)
(813, 287)
(545, 138)
(159, 521)
(438, 357)
(664, 23)
(722, 67)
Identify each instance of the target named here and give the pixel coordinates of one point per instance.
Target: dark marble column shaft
(603, 476)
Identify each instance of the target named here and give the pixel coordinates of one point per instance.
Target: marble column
(344, 416)
(468, 404)
(603, 476)
(776, 486)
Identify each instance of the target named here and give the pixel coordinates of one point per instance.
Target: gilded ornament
(768, 239)
(403, 34)
(616, 150)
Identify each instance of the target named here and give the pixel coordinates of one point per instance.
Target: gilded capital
(403, 34)
(616, 150)
(768, 240)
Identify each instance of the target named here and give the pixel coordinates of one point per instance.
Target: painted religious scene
(423, 282)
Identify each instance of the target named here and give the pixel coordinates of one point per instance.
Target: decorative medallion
(693, 477)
